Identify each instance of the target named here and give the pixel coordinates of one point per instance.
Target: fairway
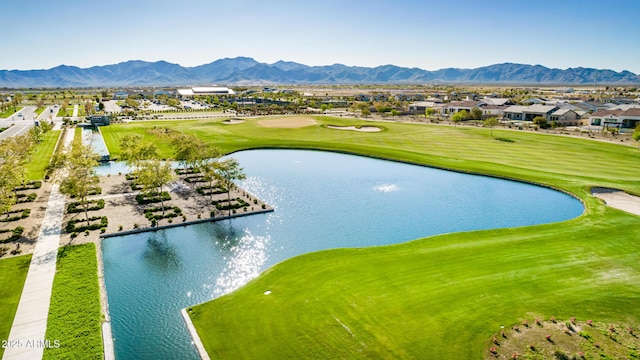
(440, 297)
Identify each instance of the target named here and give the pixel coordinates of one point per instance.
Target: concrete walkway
(27, 337)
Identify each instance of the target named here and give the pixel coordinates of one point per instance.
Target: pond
(322, 200)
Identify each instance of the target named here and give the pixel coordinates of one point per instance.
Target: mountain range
(247, 71)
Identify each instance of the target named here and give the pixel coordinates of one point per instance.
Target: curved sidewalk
(27, 338)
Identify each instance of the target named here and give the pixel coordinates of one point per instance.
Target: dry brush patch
(564, 339)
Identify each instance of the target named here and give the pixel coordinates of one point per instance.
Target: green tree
(134, 150)
(490, 123)
(476, 113)
(81, 177)
(429, 112)
(541, 121)
(636, 136)
(229, 170)
(365, 112)
(153, 174)
(459, 116)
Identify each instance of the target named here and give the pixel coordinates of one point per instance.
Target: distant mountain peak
(246, 71)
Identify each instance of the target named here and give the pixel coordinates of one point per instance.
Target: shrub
(170, 212)
(36, 184)
(24, 198)
(135, 186)
(76, 207)
(264, 206)
(120, 228)
(236, 203)
(23, 214)
(15, 234)
(91, 224)
(216, 189)
(143, 199)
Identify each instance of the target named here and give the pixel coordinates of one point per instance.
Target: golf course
(442, 297)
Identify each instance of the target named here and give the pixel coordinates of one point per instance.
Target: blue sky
(40, 34)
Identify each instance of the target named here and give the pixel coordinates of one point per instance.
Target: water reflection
(160, 255)
(247, 256)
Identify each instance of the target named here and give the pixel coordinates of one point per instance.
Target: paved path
(27, 337)
(75, 111)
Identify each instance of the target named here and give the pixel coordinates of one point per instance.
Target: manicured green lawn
(439, 297)
(10, 111)
(40, 110)
(77, 133)
(74, 313)
(39, 159)
(13, 272)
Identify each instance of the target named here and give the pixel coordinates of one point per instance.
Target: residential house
(625, 120)
(566, 117)
(528, 113)
(497, 101)
(456, 106)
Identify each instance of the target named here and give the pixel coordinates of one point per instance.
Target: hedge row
(16, 234)
(34, 184)
(25, 198)
(169, 212)
(202, 190)
(24, 213)
(77, 207)
(143, 199)
(239, 203)
(71, 225)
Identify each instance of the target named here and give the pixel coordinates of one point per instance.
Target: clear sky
(41, 34)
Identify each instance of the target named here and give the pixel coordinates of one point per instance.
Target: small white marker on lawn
(267, 292)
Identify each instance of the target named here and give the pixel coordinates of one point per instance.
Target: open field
(39, 159)
(444, 296)
(74, 314)
(13, 273)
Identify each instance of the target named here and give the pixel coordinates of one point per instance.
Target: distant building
(120, 95)
(99, 120)
(205, 91)
(528, 113)
(566, 117)
(618, 119)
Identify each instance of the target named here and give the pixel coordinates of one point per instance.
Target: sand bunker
(354, 128)
(618, 199)
(233, 121)
(287, 122)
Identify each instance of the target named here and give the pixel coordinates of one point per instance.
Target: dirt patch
(564, 339)
(293, 122)
(31, 224)
(355, 128)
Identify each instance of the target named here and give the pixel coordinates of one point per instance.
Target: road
(23, 120)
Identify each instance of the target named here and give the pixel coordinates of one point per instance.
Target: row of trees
(14, 153)
(195, 156)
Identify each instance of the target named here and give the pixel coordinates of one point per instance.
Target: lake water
(322, 200)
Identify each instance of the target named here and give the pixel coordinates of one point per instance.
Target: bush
(24, 198)
(76, 207)
(143, 199)
(169, 212)
(36, 184)
(24, 213)
(71, 225)
(15, 234)
(239, 203)
(135, 186)
(216, 189)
